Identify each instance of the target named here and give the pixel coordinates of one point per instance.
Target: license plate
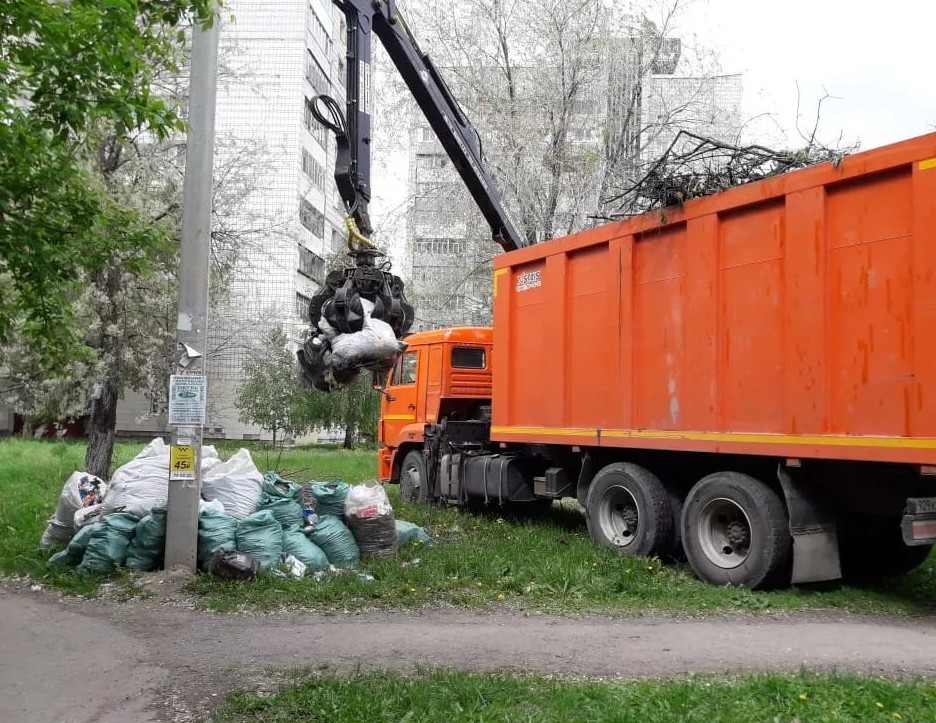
(921, 505)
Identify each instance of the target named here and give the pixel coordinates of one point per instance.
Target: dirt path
(70, 660)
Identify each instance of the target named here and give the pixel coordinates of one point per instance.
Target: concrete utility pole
(188, 385)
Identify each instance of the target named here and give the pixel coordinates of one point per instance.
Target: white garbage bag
(375, 342)
(236, 483)
(61, 527)
(141, 484)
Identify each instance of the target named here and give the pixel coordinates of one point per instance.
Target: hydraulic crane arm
(355, 304)
(456, 134)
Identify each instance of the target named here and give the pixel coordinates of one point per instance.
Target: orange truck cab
(444, 374)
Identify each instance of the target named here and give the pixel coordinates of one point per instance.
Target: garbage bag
(295, 543)
(278, 488)
(375, 342)
(336, 541)
(236, 483)
(146, 549)
(141, 484)
(74, 553)
(287, 512)
(261, 537)
(80, 490)
(375, 536)
(107, 544)
(367, 500)
(281, 496)
(330, 497)
(216, 531)
(233, 565)
(410, 532)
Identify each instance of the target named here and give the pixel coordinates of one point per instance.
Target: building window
(317, 130)
(311, 218)
(319, 34)
(313, 169)
(302, 305)
(449, 246)
(315, 75)
(337, 240)
(426, 161)
(311, 265)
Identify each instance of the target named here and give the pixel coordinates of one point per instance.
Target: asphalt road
(151, 660)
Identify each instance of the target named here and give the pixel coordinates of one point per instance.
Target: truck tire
(871, 548)
(629, 509)
(735, 531)
(413, 477)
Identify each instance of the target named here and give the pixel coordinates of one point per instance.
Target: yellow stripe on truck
(817, 440)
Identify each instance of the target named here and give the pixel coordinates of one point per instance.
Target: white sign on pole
(187, 399)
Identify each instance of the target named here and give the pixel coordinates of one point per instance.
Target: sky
(876, 59)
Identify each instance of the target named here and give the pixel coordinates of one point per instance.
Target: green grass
(482, 560)
(453, 697)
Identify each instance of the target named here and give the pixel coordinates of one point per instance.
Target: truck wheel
(413, 477)
(735, 531)
(629, 509)
(871, 547)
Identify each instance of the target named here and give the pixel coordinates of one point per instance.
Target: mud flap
(813, 525)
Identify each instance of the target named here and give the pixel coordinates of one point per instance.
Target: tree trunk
(102, 430)
(348, 437)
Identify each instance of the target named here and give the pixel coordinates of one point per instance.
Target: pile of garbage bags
(248, 522)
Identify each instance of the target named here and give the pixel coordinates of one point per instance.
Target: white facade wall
(274, 55)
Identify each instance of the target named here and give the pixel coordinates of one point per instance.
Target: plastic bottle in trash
(309, 515)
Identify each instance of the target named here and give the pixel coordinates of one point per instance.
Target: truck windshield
(464, 357)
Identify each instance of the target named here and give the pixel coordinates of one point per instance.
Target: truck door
(401, 411)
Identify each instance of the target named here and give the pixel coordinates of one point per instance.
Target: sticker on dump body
(529, 280)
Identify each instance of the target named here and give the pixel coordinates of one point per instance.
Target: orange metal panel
(796, 316)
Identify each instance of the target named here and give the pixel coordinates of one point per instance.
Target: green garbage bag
(295, 543)
(278, 488)
(107, 546)
(286, 511)
(261, 537)
(149, 541)
(216, 531)
(336, 541)
(410, 532)
(73, 554)
(330, 497)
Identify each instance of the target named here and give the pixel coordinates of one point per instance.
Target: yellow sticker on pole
(181, 462)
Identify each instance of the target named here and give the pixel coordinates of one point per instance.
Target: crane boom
(367, 300)
(456, 134)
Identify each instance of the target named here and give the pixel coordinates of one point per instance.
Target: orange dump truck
(748, 379)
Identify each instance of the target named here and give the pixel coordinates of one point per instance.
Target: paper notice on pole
(181, 463)
(187, 399)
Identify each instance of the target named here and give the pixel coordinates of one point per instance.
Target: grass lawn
(544, 565)
(453, 697)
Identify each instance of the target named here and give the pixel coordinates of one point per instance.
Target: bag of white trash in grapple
(107, 545)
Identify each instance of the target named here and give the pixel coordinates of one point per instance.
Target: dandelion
(879, 704)
(897, 716)
(501, 596)
(412, 589)
(803, 696)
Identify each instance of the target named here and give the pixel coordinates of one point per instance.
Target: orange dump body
(791, 317)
